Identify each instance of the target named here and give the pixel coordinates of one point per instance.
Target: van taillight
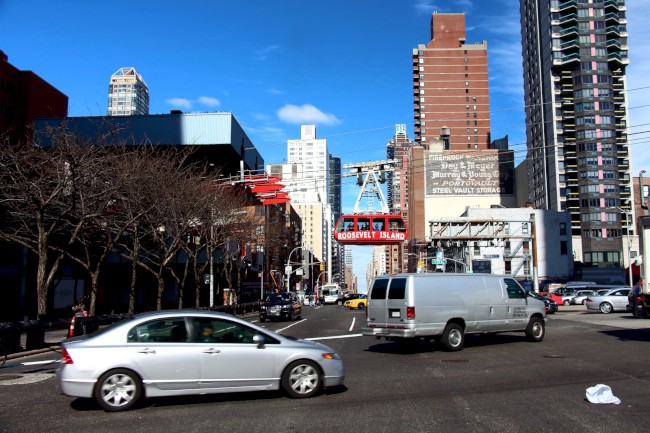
(410, 313)
(65, 357)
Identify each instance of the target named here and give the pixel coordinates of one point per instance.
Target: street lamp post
(629, 242)
(287, 268)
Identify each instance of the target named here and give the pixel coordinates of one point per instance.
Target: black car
(281, 306)
(635, 302)
(551, 305)
(341, 300)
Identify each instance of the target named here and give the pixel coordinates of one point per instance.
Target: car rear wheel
(535, 329)
(302, 379)
(606, 308)
(567, 302)
(118, 390)
(339, 303)
(453, 337)
(361, 306)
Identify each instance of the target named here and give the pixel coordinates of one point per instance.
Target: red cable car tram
(370, 230)
(372, 227)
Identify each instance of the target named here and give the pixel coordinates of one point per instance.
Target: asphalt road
(500, 384)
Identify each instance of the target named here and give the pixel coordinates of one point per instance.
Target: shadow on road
(629, 334)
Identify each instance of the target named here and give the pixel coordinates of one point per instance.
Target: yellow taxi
(358, 303)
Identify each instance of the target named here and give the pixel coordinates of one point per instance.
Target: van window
(379, 289)
(397, 288)
(514, 289)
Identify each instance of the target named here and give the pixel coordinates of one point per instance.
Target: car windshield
(278, 297)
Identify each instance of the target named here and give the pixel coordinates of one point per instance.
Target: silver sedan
(182, 352)
(612, 300)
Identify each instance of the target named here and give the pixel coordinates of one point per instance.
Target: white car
(184, 352)
(612, 300)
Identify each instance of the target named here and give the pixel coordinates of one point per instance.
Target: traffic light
(322, 266)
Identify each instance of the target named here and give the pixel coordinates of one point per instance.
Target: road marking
(333, 337)
(352, 325)
(293, 324)
(51, 361)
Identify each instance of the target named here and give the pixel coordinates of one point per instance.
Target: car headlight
(262, 307)
(285, 307)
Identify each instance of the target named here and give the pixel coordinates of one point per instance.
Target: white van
(445, 307)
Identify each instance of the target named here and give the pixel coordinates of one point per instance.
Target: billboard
(472, 173)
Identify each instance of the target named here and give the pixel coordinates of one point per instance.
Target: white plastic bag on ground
(601, 394)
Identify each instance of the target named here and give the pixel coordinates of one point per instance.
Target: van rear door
(376, 308)
(395, 306)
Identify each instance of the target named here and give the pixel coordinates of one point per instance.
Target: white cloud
(306, 113)
(209, 101)
(274, 92)
(264, 53)
(180, 103)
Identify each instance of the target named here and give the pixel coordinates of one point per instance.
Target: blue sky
(344, 65)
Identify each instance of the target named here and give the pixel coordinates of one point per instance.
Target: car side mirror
(259, 340)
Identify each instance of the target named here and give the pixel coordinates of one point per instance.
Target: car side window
(159, 331)
(514, 289)
(212, 330)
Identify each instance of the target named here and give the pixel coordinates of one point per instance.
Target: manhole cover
(10, 376)
(455, 360)
(554, 356)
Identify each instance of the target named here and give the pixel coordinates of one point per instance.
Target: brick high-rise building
(450, 86)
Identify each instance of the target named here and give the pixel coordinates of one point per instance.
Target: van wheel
(453, 338)
(535, 329)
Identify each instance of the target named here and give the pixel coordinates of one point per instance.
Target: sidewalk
(52, 339)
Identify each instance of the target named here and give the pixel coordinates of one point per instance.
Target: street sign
(438, 261)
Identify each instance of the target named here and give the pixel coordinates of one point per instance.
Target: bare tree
(39, 198)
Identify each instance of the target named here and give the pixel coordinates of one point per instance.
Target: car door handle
(212, 351)
(147, 351)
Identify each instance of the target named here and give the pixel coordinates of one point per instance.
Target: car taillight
(65, 357)
(587, 299)
(410, 313)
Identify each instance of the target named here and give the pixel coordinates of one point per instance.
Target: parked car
(184, 352)
(635, 302)
(612, 300)
(554, 297)
(567, 298)
(580, 296)
(281, 306)
(347, 297)
(551, 305)
(357, 303)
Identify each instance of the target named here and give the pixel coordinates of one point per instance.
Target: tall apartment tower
(128, 94)
(312, 154)
(574, 55)
(450, 86)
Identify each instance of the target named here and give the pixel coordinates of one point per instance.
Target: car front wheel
(535, 329)
(118, 390)
(302, 379)
(606, 308)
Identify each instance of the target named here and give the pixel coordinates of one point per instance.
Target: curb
(33, 352)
